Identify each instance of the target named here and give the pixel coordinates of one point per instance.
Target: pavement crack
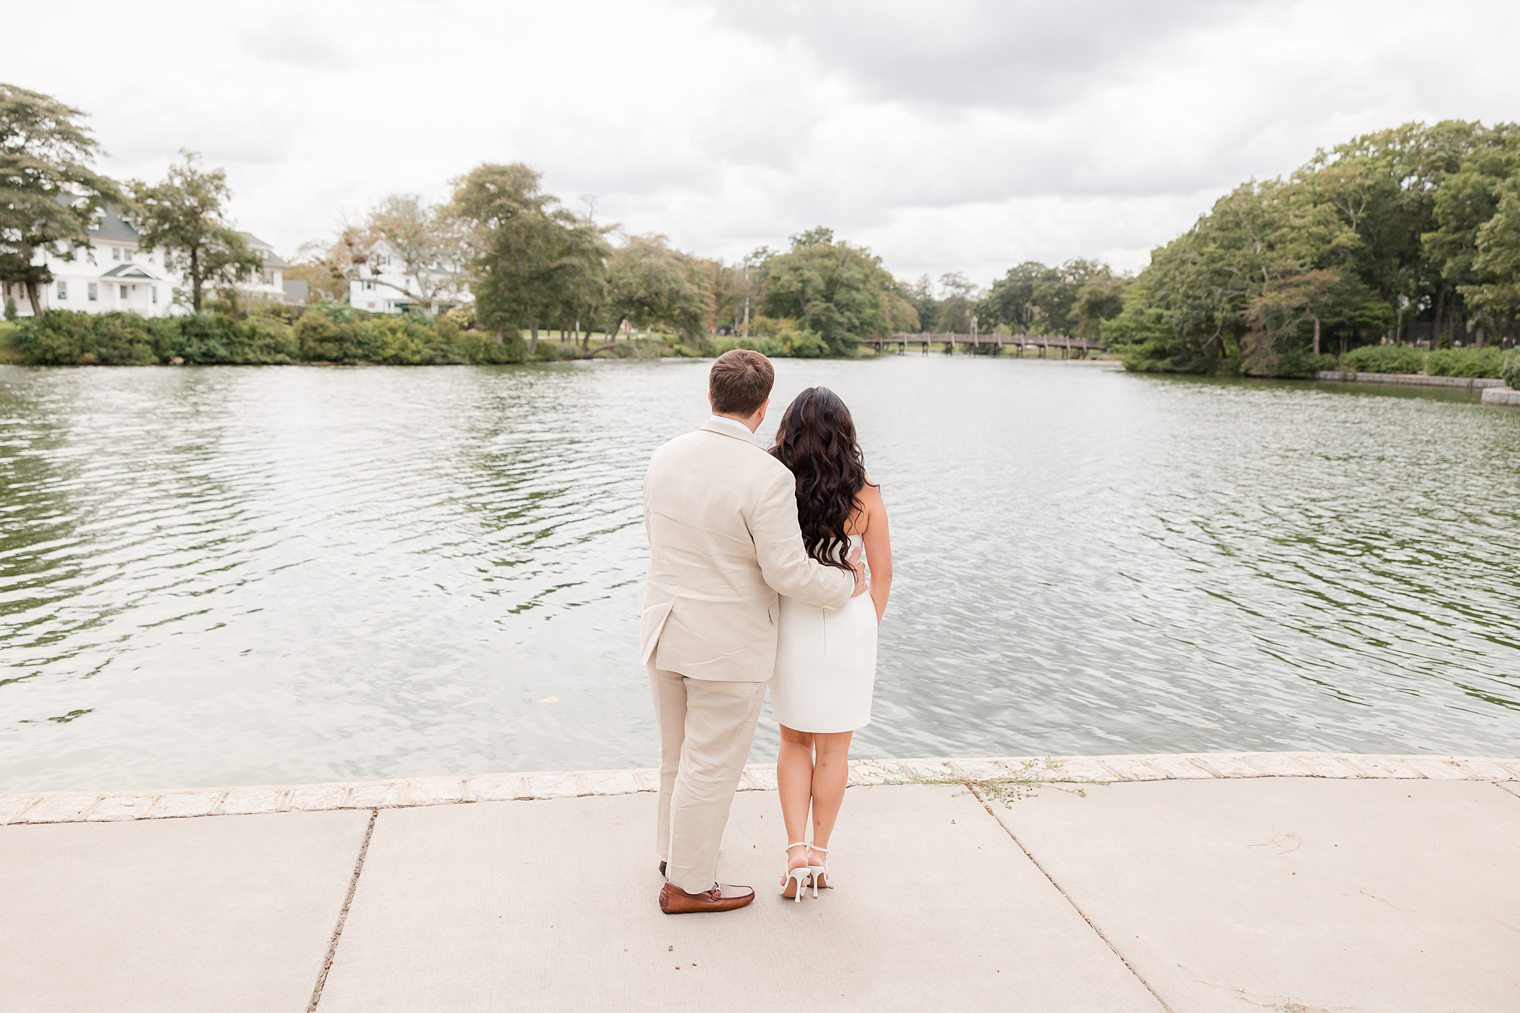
(348, 900)
(972, 787)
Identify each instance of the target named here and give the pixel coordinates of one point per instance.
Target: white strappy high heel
(797, 879)
(820, 873)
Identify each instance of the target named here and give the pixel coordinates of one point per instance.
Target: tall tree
(514, 240)
(1011, 300)
(186, 215)
(655, 286)
(838, 291)
(956, 305)
(49, 189)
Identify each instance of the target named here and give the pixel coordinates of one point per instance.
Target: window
(155, 295)
(115, 253)
(63, 290)
(268, 277)
(94, 292)
(369, 286)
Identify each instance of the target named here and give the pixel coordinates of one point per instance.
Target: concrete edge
(1502, 396)
(1409, 379)
(102, 807)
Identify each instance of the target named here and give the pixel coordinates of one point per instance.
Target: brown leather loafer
(722, 897)
(662, 868)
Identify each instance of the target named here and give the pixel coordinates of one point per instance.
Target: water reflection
(240, 575)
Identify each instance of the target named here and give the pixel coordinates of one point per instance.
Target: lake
(273, 575)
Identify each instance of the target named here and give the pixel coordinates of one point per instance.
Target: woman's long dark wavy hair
(816, 440)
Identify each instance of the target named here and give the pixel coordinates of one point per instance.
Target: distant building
(116, 273)
(297, 292)
(378, 289)
(268, 282)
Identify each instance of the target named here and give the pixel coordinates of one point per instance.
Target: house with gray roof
(115, 272)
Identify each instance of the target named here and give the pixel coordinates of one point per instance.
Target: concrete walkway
(1212, 883)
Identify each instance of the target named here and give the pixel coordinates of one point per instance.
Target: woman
(826, 661)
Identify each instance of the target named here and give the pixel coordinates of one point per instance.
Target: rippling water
(295, 574)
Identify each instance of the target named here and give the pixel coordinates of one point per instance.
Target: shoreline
(85, 806)
(1408, 379)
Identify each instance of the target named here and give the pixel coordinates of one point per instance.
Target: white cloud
(965, 136)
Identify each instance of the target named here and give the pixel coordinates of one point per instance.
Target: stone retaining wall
(1502, 396)
(1409, 379)
(92, 807)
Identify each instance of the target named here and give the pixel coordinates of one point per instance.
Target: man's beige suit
(721, 516)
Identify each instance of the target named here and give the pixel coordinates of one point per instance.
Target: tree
(186, 215)
(956, 305)
(728, 290)
(426, 241)
(1100, 299)
(515, 241)
(49, 186)
(1465, 243)
(325, 275)
(838, 291)
(1011, 300)
(577, 274)
(920, 295)
(652, 285)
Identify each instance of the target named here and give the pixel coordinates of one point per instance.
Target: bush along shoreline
(1474, 363)
(272, 336)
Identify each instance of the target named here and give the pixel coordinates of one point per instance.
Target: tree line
(1408, 235)
(531, 264)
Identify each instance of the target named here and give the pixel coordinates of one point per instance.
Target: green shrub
(462, 317)
(400, 341)
(57, 338)
(1384, 359)
(208, 339)
(328, 333)
(1465, 362)
(120, 339)
(801, 343)
(8, 351)
(1510, 371)
(268, 339)
(763, 345)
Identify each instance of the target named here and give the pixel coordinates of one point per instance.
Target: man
(721, 516)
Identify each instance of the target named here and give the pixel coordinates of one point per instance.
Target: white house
(113, 274)
(116, 273)
(383, 283)
(269, 281)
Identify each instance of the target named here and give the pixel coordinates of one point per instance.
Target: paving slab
(546, 905)
(1295, 893)
(224, 913)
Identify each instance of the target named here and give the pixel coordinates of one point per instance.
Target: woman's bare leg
(794, 782)
(831, 772)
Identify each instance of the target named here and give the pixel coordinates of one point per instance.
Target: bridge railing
(947, 338)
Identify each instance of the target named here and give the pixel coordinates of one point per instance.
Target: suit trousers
(706, 729)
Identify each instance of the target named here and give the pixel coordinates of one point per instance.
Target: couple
(756, 579)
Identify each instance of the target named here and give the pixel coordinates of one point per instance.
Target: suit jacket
(721, 516)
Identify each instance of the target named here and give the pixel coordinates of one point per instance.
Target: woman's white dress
(825, 665)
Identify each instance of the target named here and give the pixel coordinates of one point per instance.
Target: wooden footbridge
(984, 344)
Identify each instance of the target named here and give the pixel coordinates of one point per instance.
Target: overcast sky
(955, 135)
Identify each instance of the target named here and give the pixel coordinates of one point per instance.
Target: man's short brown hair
(740, 382)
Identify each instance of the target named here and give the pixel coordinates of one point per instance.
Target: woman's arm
(878, 539)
